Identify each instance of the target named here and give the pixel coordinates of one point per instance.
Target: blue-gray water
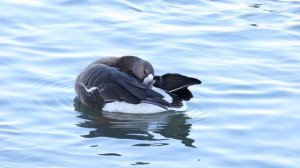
(245, 114)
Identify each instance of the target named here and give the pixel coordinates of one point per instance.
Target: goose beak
(148, 81)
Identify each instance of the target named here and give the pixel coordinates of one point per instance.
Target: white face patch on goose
(148, 79)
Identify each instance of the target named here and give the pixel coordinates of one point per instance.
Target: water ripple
(245, 52)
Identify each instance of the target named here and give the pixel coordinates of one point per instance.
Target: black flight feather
(176, 84)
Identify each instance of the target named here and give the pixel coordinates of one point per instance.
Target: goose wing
(100, 84)
(177, 84)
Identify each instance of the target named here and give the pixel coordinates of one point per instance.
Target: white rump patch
(142, 108)
(123, 107)
(167, 97)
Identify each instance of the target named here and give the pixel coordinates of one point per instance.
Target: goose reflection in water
(135, 126)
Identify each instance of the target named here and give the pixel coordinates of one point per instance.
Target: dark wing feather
(101, 84)
(176, 84)
(184, 94)
(173, 82)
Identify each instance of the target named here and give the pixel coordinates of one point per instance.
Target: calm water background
(246, 113)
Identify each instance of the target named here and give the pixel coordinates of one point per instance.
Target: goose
(127, 84)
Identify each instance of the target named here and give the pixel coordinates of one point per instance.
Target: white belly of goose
(142, 108)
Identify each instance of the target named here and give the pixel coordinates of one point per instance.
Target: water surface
(245, 114)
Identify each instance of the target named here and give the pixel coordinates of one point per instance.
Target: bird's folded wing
(174, 82)
(109, 84)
